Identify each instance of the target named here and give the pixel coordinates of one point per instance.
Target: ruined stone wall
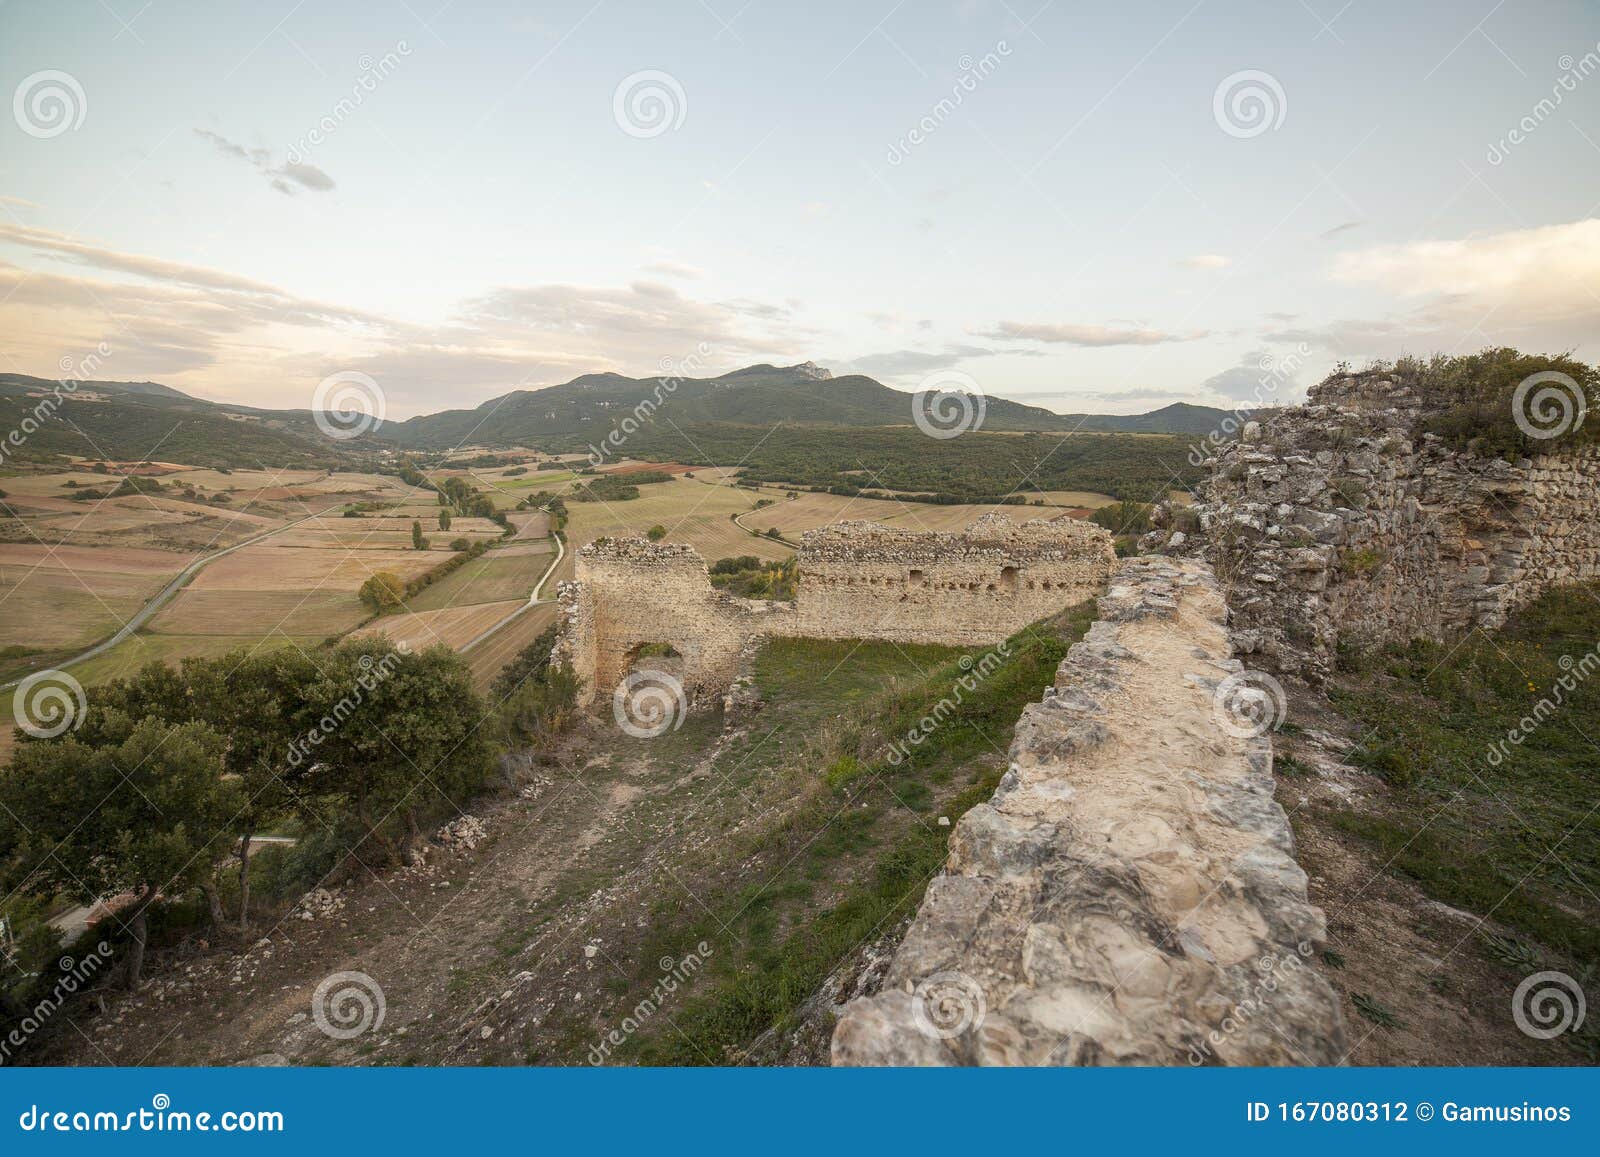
(1129, 895)
(1342, 520)
(858, 580)
(866, 580)
(630, 592)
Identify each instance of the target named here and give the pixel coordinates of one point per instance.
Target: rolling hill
(132, 420)
(585, 408)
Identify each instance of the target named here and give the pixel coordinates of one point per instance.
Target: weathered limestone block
(1129, 895)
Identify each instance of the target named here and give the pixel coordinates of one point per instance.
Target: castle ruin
(1343, 520)
(858, 580)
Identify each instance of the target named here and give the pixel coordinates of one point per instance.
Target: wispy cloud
(1206, 261)
(1092, 336)
(284, 178)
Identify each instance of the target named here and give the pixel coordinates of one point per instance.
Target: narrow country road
(142, 616)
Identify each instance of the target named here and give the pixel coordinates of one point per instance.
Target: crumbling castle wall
(1129, 895)
(629, 592)
(1342, 520)
(858, 580)
(867, 580)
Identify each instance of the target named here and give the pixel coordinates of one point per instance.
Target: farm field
(507, 573)
(268, 567)
(450, 626)
(376, 532)
(489, 657)
(308, 614)
(692, 511)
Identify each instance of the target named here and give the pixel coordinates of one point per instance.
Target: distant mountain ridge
(590, 405)
(571, 414)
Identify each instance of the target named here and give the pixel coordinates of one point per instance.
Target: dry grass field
(489, 657)
(450, 626)
(507, 573)
(692, 511)
(51, 608)
(302, 614)
(266, 567)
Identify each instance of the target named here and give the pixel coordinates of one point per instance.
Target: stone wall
(1342, 520)
(630, 592)
(866, 580)
(858, 580)
(1129, 895)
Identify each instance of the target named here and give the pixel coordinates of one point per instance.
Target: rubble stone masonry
(1341, 520)
(858, 580)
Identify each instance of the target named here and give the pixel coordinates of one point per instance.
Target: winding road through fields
(164, 596)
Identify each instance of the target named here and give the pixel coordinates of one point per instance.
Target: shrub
(383, 591)
(656, 533)
(1123, 517)
(1472, 398)
(460, 544)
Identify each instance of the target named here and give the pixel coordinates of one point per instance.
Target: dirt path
(496, 948)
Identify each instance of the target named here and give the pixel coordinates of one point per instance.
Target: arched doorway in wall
(1008, 578)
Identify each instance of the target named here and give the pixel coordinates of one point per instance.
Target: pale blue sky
(1080, 231)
